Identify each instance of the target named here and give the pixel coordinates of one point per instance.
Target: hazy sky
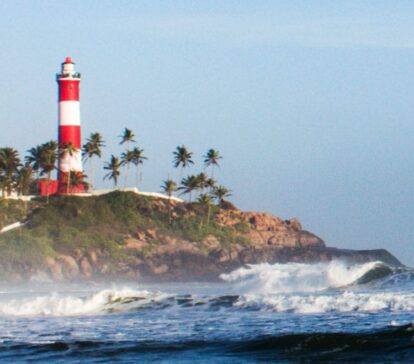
(311, 103)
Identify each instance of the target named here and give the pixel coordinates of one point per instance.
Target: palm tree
(42, 159)
(211, 184)
(9, 166)
(202, 181)
(127, 136)
(126, 159)
(188, 185)
(169, 186)
(77, 179)
(211, 159)
(182, 157)
(88, 151)
(113, 167)
(137, 159)
(205, 201)
(67, 150)
(98, 143)
(24, 179)
(3, 187)
(220, 192)
(93, 147)
(34, 159)
(48, 157)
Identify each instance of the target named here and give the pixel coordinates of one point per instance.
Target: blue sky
(310, 102)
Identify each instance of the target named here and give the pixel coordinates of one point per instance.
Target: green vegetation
(104, 223)
(211, 160)
(169, 187)
(93, 147)
(12, 211)
(42, 161)
(9, 165)
(113, 166)
(62, 224)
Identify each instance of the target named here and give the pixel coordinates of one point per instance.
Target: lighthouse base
(71, 184)
(47, 187)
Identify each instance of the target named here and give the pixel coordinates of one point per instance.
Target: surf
(301, 288)
(268, 278)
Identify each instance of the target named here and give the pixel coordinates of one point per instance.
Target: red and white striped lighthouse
(69, 126)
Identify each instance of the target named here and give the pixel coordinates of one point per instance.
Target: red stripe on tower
(69, 90)
(69, 127)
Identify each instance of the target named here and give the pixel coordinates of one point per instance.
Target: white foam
(67, 305)
(296, 277)
(302, 288)
(340, 302)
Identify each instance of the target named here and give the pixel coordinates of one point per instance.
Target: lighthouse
(69, 138)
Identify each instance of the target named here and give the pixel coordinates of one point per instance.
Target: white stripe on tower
(69, 113)
(71, 163)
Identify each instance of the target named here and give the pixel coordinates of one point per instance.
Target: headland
(126, 236)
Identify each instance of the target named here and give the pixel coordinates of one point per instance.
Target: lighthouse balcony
(74, 75)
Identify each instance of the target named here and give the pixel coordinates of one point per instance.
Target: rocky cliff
(125, 236)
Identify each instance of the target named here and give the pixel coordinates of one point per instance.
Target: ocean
(283, 313)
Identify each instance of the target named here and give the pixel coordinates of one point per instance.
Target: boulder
(135, 244)
(307, 239)
(69, 266)
(211, 241)
(294, 224)
(54, 268)
(151, 234)
(93, 257)
(262, 221)
(85, 267)
(158, 270)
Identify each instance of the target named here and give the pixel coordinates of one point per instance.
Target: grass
(12, 211)
(103, 222)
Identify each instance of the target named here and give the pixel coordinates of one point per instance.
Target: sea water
(287, 313)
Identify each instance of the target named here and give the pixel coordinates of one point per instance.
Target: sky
(311, 103)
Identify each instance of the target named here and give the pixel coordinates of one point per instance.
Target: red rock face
(265, 229)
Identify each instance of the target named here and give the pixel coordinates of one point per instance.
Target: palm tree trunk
(92, 174)
(208, 214)
(47, 186)
(126, 176)
(67, 183)
(169, 209)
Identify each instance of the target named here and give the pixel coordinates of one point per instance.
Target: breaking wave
(322, 287)
(297, 277)
(55, 304)
(294, 287)
(347, 301)
(110, 301)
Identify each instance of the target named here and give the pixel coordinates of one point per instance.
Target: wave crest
(298, 277)
(109, 300)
